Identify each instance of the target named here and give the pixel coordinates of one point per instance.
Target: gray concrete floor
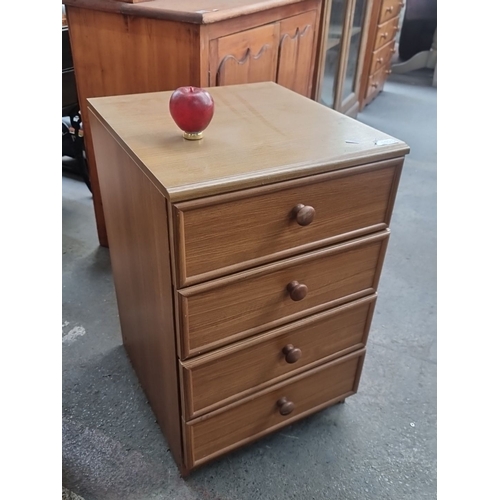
(380, 445)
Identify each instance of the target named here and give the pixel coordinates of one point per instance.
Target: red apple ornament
(192, 109)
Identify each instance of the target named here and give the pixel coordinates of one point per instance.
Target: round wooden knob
(380, 60)
(401, 4)
(286, 407)
(384, 35)
(296, 290)
(390, 9)
(304, 214)
(375, 85)
(388, 71)
(292, 354)
(393, 51)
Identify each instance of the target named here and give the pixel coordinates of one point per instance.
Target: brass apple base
(193, 136)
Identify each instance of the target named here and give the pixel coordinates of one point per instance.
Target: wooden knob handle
(296, 290)
(286, 407)
(390, 9)
(388, 71)
(384, 35)
(380, 60)
(304, 214)
(393, 51)
(401, 4)
(292, 354)
(375, 85)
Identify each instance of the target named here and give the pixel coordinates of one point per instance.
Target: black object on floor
(419, 25)
(73, 145)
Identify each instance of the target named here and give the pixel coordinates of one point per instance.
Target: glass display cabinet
(345, 23)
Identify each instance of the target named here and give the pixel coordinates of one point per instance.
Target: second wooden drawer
(386, 32)
(221, 311)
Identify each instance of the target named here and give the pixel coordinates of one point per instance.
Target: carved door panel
(245, 57)
(296, 52)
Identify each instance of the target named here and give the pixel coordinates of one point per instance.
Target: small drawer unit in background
(246, 265)
(380, 48)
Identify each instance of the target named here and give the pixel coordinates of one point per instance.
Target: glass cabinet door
(342, 39)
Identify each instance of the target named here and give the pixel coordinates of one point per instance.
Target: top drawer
(389, 9)
(219, 235)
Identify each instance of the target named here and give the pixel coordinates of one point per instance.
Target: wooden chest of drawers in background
(245, 264)
(380, 47)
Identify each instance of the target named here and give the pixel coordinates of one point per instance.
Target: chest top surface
(260, 134)
(194, 11)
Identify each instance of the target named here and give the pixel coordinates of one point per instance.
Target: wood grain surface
(251, 141)
(247, 57)
(296, 57)
(216, 379)
(389, 9)
(386, 32)
(116, 55)
(193, 11)
(218, 312)
(136, 215)
(223, 430)
(219, 235)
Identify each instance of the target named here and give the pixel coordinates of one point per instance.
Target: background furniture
(418, 41)
(69, 96)
(418, 30)
(381, 46)
(72, 128)
(344, 27)
(125, 48)
(245, 264)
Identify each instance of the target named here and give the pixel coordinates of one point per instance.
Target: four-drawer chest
(245, 264)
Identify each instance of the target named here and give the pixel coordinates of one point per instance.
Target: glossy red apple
(192, 109)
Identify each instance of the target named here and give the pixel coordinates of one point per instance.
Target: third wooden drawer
(216, 379)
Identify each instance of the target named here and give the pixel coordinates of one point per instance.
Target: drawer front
(231, 308)
(230, 427)
(221, 235)
(376, 82)
(389, 9)
(218, 378)
(382, 57)
(386, 33)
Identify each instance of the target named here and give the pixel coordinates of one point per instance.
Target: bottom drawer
(235, 425)
(376, 81)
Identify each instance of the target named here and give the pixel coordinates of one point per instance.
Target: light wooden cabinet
(126, 48)
(384, 25)
(246, 264)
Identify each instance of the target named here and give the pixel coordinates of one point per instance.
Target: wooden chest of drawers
(246, 264)
(384, 25)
